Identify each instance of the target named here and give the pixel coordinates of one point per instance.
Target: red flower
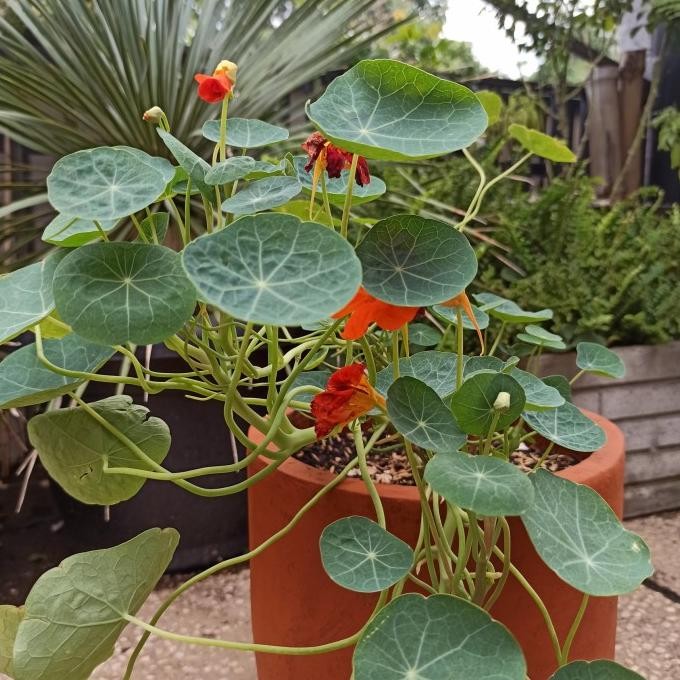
(326, 156)
(213, 89)
(347, 396)
(461, 300)
(364, 309)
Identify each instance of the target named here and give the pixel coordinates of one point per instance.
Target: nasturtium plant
(363, 343)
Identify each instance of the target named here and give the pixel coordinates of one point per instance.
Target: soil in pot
(295, 603)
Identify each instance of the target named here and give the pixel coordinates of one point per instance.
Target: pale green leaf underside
(435, 369)
(245, 133)
(114, 293)
(539, 396)
(25, 381)
(449, 314)
(74, 448)
(598, 359)
(195, 166)
(70, 232)
(541, 144)
(580, 538)
(532, 339)
(155, 224)
(239, 167)
(26, 296)
(360, 555)
(508, 311)
(263, 194)
(272, 268)
(389, 110)
(436, 638)
(602, 669)
(75, 612)
(10, 618)
(422, 417)
(106, 183)
(567, 427)
(413, 261)
(492, 103)
(486, 485)
(336, 187)
(473, 403)
(484, 363)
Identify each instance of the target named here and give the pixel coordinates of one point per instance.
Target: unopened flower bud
(154, 115)
(502, 402)
(226, 68)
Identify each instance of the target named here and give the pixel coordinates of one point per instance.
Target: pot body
(294, 602)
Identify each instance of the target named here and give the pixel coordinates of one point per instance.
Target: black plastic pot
(210, 528)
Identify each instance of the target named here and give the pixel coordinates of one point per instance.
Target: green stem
(497, 339)
(348, 196)
(223, 129)
(573, 630)
(236, 560)
(326, 203)
(366, 475)
(577, 376)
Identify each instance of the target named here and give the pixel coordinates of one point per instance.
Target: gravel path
(649, 621)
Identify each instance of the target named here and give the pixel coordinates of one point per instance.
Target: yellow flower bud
(502, 402)
(226, 68)
(154, 115)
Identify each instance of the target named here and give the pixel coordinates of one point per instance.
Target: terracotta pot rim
(597, 462)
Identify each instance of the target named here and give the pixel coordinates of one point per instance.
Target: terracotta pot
(294, 602)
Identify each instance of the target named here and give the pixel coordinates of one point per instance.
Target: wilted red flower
(347, 396)
(461, 300)
(323, 155)
(364, 309)
(213, 89)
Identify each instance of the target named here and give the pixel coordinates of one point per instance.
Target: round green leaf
(535, 335)
(336, 187)
(436, 638)
(106, 183)
(567, 427)
(486, 485)
(26, 296)
(272, 268)
(473, 403)
(539, 396)
(435, 369)
(76, 611)
(412, 261)
(580, 538)
(492, 103)
(239, 167)
(449, 315)
(602, 669)
(10, 618)
(484, 363)
(263, 194)
(360, 555)
(196, 167)
(508, 311)
(25, 381)
(245, 133)
(596, 359)
(317, 379)
(71, 232)
(541, 144)
(422, 417)
(389, 110)
(155, 227)
(422, 335)
(560, 383)
(114, 293)
(75, 449)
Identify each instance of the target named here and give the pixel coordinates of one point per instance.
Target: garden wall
(646, 406)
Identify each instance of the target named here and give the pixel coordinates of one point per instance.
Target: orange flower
(462, 301)
(347, 396)
(213, 89)
(364, 309)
